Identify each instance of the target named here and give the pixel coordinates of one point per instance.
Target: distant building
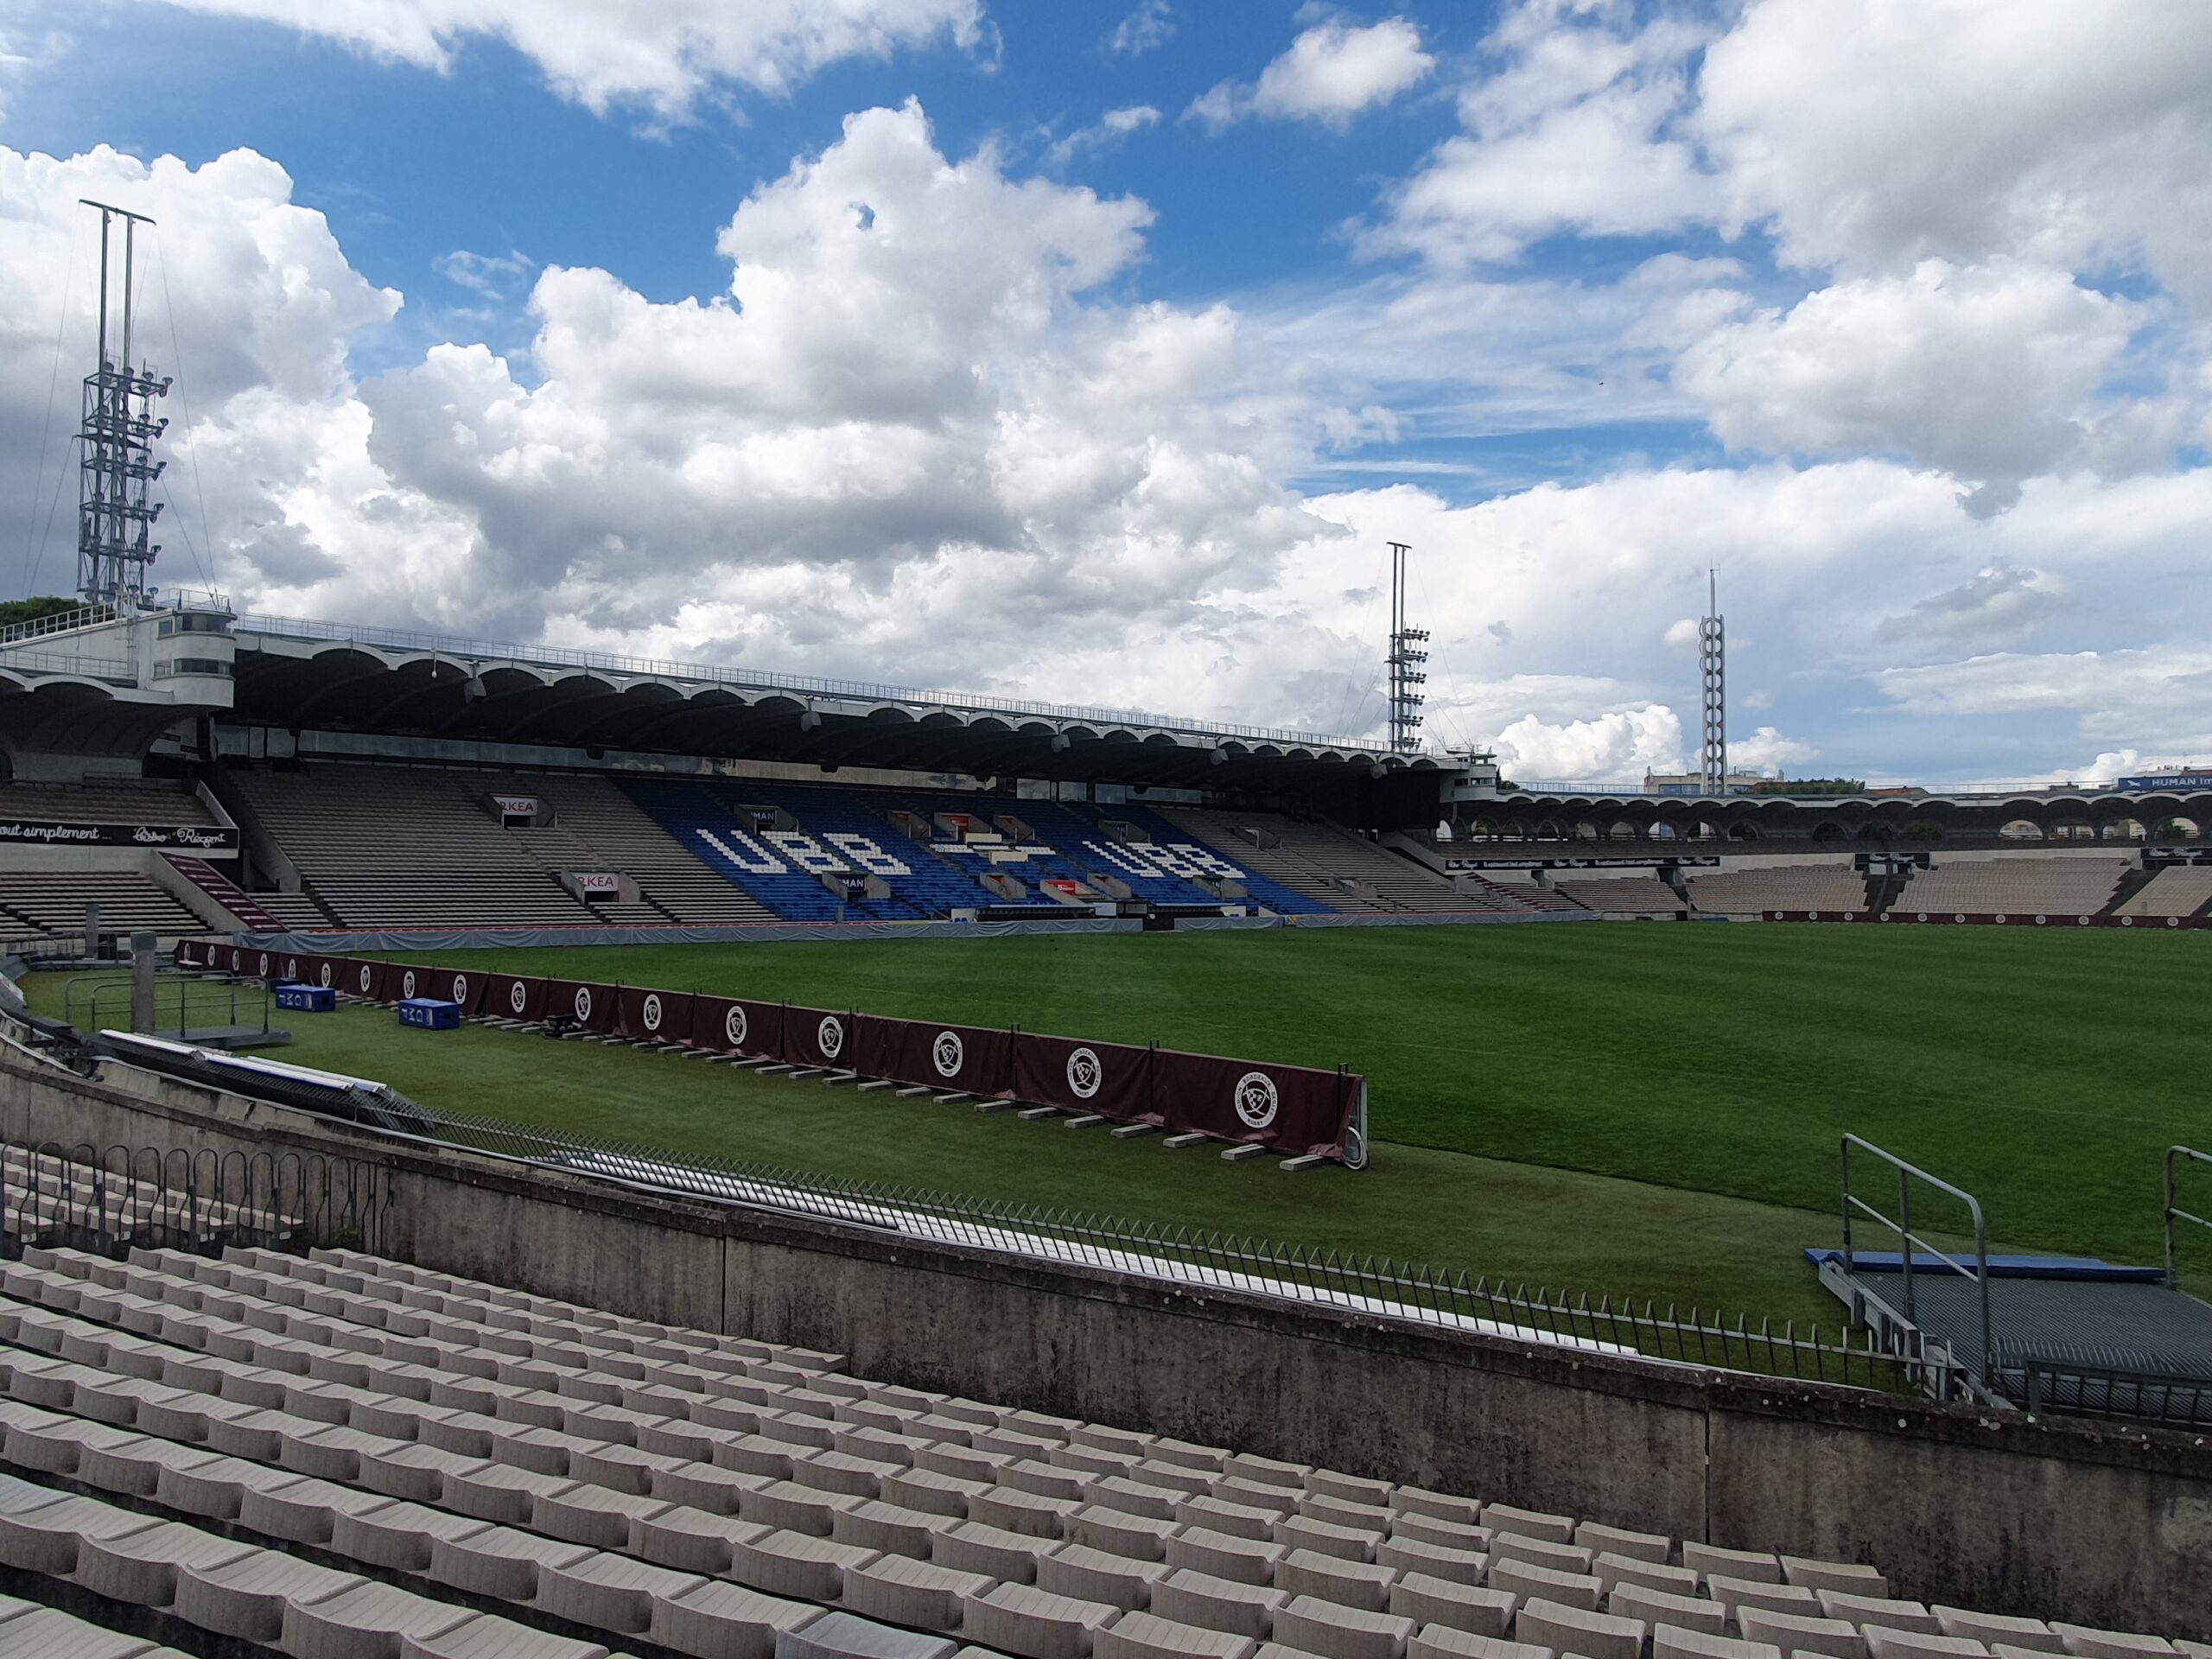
(1691, 782)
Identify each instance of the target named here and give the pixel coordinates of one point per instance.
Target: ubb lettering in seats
(1292, 1110)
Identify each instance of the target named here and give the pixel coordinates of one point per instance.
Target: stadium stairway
(342, 1455)
(227, 892)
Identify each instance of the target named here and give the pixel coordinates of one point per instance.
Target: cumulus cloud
(662, 58)
(1614, 747)
(1332, 72)
(492, 276)
(1991, 372)
(1110, 128)
(1998, 607)
(1151, 24)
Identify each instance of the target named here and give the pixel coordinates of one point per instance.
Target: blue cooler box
(308, 999)
(431, 1013)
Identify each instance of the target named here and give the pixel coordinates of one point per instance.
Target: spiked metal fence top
(1198, 1258)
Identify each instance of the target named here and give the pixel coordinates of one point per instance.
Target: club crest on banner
(326, 974)
(265, 964)
(651, 1011)
(518, 996)
(367, 979)
(291, 967)
(1084, 1073)
(830, 1034)
(460, 988)
(1256, 1101)
(948, 1053)
(734, 1026)
(407, 984)
(584, 1001)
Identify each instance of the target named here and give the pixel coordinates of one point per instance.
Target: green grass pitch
(1638, 1108)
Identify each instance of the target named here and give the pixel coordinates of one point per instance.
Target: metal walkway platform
(2127, 1348)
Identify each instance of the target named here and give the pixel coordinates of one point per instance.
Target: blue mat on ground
(2000, 1267)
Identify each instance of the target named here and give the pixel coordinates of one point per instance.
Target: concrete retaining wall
(2097, 1525)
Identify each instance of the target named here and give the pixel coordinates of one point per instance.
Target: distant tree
(13, 612)
(1922, 829)
(1808, 786)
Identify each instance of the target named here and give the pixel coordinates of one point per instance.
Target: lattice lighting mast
(115, 507)
(1712, 663)
(1406, 661)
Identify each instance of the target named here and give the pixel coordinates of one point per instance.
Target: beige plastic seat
(1528, 1523)
(1916, 1644)
(1212, 1604)
(1801, 1633)
(1213, 1513)
(1333, 1632)
(609, 1592)
(1539, 1551)
(2090, 1643)
(303, 1511)
(246, 1598)
(499, 1561)
(140, 1567)
(902, 1591)
(795, 1565)
(1435, 1530)
(365, 1623)
(971, 1547)
(891, 1528)
(1439, 1642)
(1033, 1624)
(1613, 1571)
(1435, 1561)
(706, 1486)
(1661, 1606)
(45, 1633)
(137, 1468)
(215, 1489)
(45, 1536)
(500, 1492)
(1083, 1574)
(1999, 1627)
(1574, 1630)
(1637, 1546)
(1888, 1614)
(1136, 1497)
(1146, 1636)
(1011, 1509)
(938, 1494)
(1456, 1606)
(846, 1635)
(1347, 1544)
(1736, 1594)
(1267, 1471)
(1747, 1566)
(1350, 1583)
(790, 1507)
(493, 1637)
(398, 1536)
(689, 1540)
(1224, 1555)
(1850, 1576)
(1676, 1642)
(591, 1515)
(726, 1622)
(1541, 1583)
(418, 1473)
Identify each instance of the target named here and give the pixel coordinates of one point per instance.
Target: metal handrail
(1909, 1241)
(83, 616)
(55, 661)
(2174, 1211)
(478, 654)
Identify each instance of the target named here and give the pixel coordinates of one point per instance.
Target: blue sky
(556, 320)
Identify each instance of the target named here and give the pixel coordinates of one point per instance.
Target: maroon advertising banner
(592, 1006)
(1111, 1079)
(1292, 1108)
(652, 1016)
(736, 1026)
(817, 1036)
(511, 996)
(969, 1059)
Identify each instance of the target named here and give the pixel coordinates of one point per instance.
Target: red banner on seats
(652, 1016)
(591, 1007)
(1109, 1078)
(1294, 1109)
(817, 1036)
(509, 996)
(973, 1059)
(734, 1027)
